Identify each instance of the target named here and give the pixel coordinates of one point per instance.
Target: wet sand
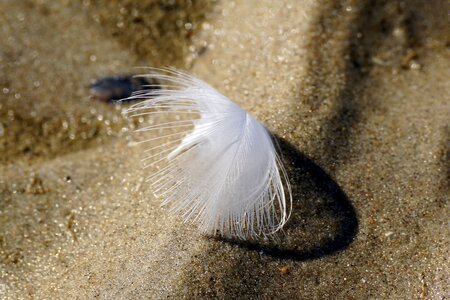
(355, 91)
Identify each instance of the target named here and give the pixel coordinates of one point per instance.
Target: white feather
(223, 171)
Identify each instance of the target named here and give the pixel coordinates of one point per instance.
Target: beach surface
(356, 93)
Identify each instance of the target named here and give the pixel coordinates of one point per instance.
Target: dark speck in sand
(113, 88)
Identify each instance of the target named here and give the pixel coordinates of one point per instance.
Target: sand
(357, 93)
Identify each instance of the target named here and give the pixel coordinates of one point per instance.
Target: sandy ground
(356, 91)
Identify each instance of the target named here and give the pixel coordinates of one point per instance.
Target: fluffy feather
(222, 168)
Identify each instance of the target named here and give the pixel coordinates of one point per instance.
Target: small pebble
(35, 186)
(108, 89)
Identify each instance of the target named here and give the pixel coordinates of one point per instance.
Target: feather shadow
(323, 220)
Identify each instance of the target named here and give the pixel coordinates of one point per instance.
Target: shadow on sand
(323, 220)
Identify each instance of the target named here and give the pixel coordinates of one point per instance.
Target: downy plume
(218, 166)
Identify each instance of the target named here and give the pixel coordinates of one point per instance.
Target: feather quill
(222, 169)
